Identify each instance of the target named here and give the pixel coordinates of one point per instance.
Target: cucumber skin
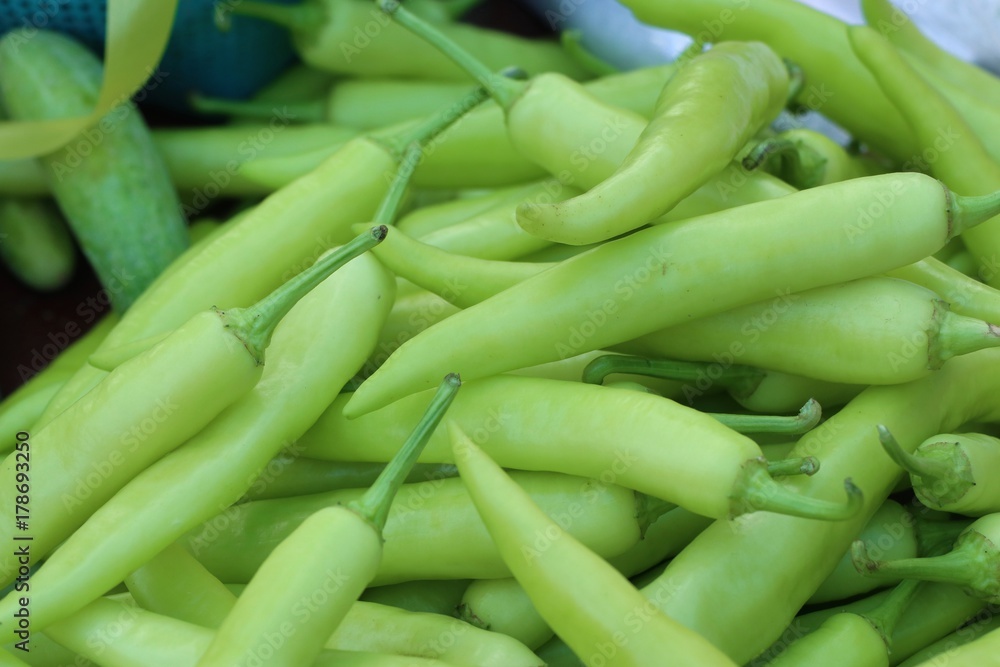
(110, 182)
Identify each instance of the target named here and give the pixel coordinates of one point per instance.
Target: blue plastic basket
(199, 57)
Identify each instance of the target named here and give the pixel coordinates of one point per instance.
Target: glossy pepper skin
(587, 430)
(838, 84)
(966, 166)
(717, 582)
(145, 408)
(589, 603)
(216, 465)
(337, 549)
(432, 531)
(706, 113)
(615, 292)
(352, 37)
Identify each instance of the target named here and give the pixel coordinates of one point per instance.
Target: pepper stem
(971, 564)
(255, 325)
(311, 111)
(500, 88)
(966, 212)
(887, 614)
(930, 471)
(606, 365)
(807, 465)
(796, 80)
(374, 505)
(960, 335)
(800, 165)
(806, 420)
(296, 18)
(755, 491)
(464, 613)
(400, 140)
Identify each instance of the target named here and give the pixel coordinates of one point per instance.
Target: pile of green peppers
(490, 355)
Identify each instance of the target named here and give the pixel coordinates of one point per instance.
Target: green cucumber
(110, 181)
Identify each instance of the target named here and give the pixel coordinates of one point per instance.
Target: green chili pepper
(501, 605)
(429, 597)
(20, 410)
(287, 475)
(936, 610)
(336, 550)
(214, 468)
(893, 24)
(367, 627)
(430, 219)
(206, 163)
(352, 37)
(807, 159)
(478, 152)
(966, 295)
(965, 166)
(297, 83)
(537, 424)
(915, 332)
(351, 183)
(755, 389)
(571, 369)
(874, 331)
(972, 563)
(410, 314)
(981, 651)
(35, 243)
(110, 183)
(837, 84)
(432, 531)
(119, 632)
(696, 132)
(581, 150)
(584, 599)
(374, 627)
(365, 104)
(494, 233)
(716, 584)
(861, 640)
(891, 532)
(951, 472)
(173, 583)
(963, 261)
(458, 278)
(986, 622)
(613, 293)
